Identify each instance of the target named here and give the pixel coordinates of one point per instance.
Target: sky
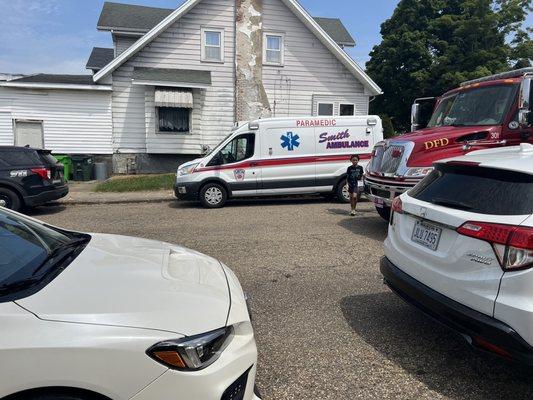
(56, 36)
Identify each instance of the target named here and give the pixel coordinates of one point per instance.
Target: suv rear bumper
(46, 196)
(479, 330)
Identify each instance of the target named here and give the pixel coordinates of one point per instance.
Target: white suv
(460, 248)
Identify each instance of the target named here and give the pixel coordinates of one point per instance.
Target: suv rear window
(48, 158)
(19, 158)
(477, 189)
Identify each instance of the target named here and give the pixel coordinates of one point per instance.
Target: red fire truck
(479, 114)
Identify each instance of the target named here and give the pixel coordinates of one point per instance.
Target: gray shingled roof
(130, 17)
(190, 76)
(57, 79)
(99, 58)
(336, 30)
(133, 18)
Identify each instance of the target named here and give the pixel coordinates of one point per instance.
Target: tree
(430, 46)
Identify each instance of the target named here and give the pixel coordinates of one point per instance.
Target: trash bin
(67, 165)
(100, 171)
(82, 167)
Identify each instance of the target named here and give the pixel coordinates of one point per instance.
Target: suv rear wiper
(452, 203)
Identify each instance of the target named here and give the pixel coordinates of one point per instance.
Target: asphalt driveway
(326, 326)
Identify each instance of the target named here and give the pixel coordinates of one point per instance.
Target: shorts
(353, 189)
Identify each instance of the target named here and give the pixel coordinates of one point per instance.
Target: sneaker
(352, 213)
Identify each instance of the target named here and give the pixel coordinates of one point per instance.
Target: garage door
(29, 133)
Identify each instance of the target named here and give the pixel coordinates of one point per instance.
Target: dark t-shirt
(354, 174)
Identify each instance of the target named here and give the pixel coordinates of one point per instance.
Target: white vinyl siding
(309, 69)
(74, 121)
(122, 43)
(178, 47)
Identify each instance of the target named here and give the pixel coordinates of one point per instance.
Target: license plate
(379, 203)
(426, 234)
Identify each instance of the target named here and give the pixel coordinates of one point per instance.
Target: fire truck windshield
(481, 106)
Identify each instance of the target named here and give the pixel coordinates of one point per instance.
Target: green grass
(137, 183)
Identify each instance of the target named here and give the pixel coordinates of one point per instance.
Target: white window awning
(173, 98)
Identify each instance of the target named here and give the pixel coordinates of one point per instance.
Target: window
(347, 109)
(239, 149)
(273, 49)
(173, 119)
(212, 45)
(477, 189)
(325, 109)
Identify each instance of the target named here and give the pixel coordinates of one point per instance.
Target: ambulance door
(287, 159)
(335, 145)
(236, 164)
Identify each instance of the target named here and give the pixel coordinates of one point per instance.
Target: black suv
(29, 177)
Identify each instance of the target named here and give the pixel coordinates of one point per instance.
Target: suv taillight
(44, 173)
(397, 205)
(512, 244)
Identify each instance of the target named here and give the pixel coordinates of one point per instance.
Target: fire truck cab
(488, 112)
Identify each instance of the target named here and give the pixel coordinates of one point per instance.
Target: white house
(178, 79)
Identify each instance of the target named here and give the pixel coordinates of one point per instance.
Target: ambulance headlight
(418, 172)
(189, 169)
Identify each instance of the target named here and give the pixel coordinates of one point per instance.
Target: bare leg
(353, 200)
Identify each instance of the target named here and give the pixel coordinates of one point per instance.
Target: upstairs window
(346, 109)
(212, 45)
(325, 109)
(273, 49)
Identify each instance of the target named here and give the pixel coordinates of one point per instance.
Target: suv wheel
(213, 195)
(9, 199)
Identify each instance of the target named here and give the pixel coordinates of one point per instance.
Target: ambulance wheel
(213, 195)
(384, 212)
(343, 195)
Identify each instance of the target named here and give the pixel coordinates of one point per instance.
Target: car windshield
(482, 106)
(25, 245)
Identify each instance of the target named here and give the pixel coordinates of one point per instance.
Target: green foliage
(388, 129)
(430, 46)
(137, 183)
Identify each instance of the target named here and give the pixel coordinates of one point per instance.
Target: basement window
(273, 49)
(325, 109)
(212, 45)
(347, 109)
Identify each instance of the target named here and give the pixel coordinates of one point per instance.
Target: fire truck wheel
(384, 212)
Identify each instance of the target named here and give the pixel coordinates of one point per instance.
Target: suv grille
(387, 159)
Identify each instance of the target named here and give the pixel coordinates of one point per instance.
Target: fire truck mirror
(524, 102)
(415, 114)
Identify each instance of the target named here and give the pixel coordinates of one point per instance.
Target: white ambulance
(280, 156)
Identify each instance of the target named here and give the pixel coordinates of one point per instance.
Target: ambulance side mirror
(524, 102)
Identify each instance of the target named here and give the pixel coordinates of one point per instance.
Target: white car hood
(124, 281)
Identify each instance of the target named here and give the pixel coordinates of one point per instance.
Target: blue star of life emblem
(290, 141)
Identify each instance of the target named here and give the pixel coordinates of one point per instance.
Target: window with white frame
(347, 109)
(212, 44)
(273, 49)
(325, 109)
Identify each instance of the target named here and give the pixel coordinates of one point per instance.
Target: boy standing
(354, 173)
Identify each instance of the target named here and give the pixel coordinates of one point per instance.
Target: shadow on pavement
(434, 355)
(366, 223)
(48, 209)
(259, 201)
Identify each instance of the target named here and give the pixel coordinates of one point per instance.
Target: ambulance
(280, 156)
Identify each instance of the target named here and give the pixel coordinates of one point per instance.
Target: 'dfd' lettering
(432, 144)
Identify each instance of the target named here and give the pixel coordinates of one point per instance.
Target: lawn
(137, 183)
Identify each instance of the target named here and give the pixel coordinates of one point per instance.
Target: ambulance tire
(213, 195)
(384, 212)
(342, 192)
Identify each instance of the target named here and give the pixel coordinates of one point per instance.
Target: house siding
(74, 122)
(178, 47)
(309, 69)
(122, 43)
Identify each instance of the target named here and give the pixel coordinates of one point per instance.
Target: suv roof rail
(509, 74)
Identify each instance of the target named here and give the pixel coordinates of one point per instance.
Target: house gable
(314, 26)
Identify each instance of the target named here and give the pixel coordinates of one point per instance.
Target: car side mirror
(206, 149)
(524, 102)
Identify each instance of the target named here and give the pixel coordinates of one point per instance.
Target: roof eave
(63, 86)
(147, 38)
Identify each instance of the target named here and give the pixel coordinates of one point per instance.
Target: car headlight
(189, 169)
(192, 353)
(418, 172)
